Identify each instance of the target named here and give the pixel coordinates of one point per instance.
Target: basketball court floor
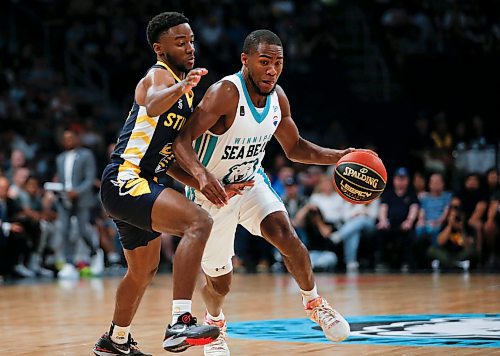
(413, 314)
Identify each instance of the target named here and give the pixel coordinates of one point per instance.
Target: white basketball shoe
(335, 327)
(219, 346)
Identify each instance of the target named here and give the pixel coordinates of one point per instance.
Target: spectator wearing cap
(396, 220)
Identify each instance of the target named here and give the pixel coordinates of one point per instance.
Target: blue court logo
(449, 330)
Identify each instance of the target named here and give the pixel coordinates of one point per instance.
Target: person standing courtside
(143, 209)
(230, 129)
(76, 170)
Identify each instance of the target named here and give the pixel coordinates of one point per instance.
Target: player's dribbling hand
(237, 188)
(342, 153)
(193, 78)
(212, 189)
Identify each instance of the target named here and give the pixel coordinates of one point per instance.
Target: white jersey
(236, 155)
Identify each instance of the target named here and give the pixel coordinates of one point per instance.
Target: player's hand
(351, 149)
(193, 78)
(236, 188)
(212, 189)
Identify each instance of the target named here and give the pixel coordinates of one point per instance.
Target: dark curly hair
(257, 37)
(161, 23)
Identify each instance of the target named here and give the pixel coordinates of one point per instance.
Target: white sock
(119, 334)
(180, 307)
(309, 295)
(216, 318)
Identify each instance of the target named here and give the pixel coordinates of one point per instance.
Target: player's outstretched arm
(298, 149)
(158, 90)
(212, 107)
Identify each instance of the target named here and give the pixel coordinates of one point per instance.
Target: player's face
(176, 46)
(264, 67)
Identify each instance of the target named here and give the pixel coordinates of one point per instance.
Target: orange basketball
(360, 177)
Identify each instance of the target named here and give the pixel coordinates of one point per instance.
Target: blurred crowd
(440, 205)
(459, 28)
(419, 223)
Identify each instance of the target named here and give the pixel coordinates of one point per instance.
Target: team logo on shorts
(240, 172)
(132, 187)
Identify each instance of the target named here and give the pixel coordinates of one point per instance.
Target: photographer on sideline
(455, 243)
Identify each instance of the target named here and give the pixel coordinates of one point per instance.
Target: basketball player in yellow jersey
(230, 129)
(142, 208)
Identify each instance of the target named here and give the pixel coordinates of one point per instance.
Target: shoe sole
(180, 344)
(104, 353)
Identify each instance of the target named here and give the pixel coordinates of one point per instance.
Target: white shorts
(248, 209)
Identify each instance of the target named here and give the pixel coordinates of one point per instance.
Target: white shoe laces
(325, 315)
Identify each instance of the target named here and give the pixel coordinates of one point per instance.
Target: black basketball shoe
(186, 333)
(106, 347)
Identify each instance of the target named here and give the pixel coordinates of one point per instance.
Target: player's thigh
(173, 213)
(258, 203)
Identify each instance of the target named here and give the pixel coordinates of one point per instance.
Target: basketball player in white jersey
(231, 128)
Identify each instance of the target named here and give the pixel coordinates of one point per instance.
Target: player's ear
(244, 59)
(157, 49)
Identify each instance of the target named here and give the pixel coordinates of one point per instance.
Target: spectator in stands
(311, 179)
(454, 247)
(491, 232)
(319, 218)
(492, 182)
(76, 170)
(478, 137)
(295, 203)
(473, 202)
(330, 204)
(317, 231)
(19, 177)
(418, 184)
(17, 160)
(358, 219)
(294, 200)
(420, 141)
(108, 237)
(14, 243)
(396, 221)
(433, 209)
(36, 215)
(440, 155)
(284, 173)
